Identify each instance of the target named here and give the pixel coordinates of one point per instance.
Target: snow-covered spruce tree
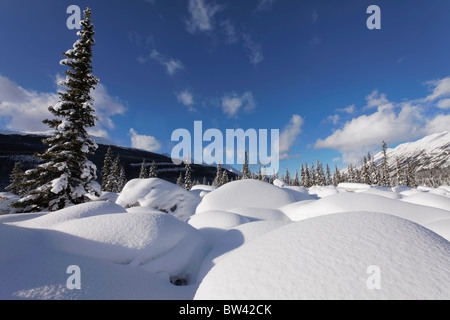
(66, 174)
(307, 177)
(313, 175)
(122, 180)
(337, 178)
(329, 177)
(411, 176)
(16, 181)
(287, 177)
(224, 177)
(107, 164)
(180, 179)
(187, 177)
(246, 174)
(401, 181)
(386, 178)
(153, 172)
(366, 172)
(218, 179)
(143, 171)
(296, 181)
(114, 176)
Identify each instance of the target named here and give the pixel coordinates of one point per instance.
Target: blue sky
(312, 69)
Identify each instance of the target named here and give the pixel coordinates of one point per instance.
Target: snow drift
(246, 193)
(160, 195)
(328, 258)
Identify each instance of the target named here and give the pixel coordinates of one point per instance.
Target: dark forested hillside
(15, 147)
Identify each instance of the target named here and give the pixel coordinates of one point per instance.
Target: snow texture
(328, 258)
(160, 195)
(246, 193)
(245, 240)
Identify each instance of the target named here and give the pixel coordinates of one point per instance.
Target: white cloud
(438, 124)
(376, 100)
(392, 122)
(232, 103)
(143, 142)
(255, 51)
(333, 118)
(350, 109)
(186, 98)
(441, 89)
(24, 110)
(444, 104)
(172, 65)
(201, 15)
(368, 131)
(231, 35)
(289, 135)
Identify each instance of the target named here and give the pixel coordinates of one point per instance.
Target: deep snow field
(246, 240)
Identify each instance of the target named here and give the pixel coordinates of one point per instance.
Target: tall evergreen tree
(321, 181)
(411, 175)
(107, 163)
(401, 181)
(187, 177)
(385, 171)
(337, 176)
(307, 177)
(366, 172)
(143, 171)
(218, 179)
(264, 173)
(296, 181)
(66, 174)
(153, 172)
(224, 177)
(302, 176)
(122, 179)
(246, 174)
(114, 176)
(313, 175)
(16, 180)
(374, 178)
(329, 178)
(287, 177)
(180, 181)
(350, 173)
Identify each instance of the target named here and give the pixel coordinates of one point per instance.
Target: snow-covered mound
(384, 192)
(324, 191)
(246, 193)
(348, 186)
(430, 199)
(233, 239)
(160, 195)
(216, 219)
(333, 257)
(348, 202)
(257, 214)
(50, 220)
(202, 190)
(31, 267)
(137, 237)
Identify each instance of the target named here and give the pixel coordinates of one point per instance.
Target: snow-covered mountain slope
(430, 152)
